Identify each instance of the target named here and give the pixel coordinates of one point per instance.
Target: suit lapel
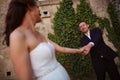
(86, 38)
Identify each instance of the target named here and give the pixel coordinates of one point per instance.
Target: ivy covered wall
(114, 32)
(67, 34)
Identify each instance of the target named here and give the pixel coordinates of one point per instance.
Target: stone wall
(49, 6)
(6, 68)
(99, 7)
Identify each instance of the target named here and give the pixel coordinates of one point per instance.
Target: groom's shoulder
(96, 29)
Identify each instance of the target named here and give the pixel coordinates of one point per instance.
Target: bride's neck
(28, 22)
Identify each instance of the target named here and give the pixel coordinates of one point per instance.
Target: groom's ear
(88, 25)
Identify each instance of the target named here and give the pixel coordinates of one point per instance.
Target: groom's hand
(87, 48)
(84, 50)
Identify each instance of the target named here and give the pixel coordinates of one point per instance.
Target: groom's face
(84, 27)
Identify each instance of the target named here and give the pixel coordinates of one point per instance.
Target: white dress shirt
(88, 35)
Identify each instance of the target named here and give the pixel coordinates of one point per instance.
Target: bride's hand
(82, 51)
(85, 50)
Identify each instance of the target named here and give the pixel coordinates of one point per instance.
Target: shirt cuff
(91, 43)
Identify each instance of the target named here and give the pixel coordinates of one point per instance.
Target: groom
(102, 56)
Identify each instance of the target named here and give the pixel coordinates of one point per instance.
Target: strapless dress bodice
(43, 59)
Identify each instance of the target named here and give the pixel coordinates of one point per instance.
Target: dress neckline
(38, 46)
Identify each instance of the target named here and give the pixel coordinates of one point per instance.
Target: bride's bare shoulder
(17, 35)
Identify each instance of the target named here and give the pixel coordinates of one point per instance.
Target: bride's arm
(20, 57)
(65, 49)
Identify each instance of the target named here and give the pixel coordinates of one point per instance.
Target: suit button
(101, 56)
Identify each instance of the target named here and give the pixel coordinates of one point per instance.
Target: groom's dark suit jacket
(100, 49)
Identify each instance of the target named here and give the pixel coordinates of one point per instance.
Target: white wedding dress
(44, 63)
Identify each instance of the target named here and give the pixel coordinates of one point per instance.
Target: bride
(32, 55)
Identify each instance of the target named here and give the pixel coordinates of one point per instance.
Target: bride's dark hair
(16, 12)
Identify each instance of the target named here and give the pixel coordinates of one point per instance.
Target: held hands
(83, 51)
(86, 49)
